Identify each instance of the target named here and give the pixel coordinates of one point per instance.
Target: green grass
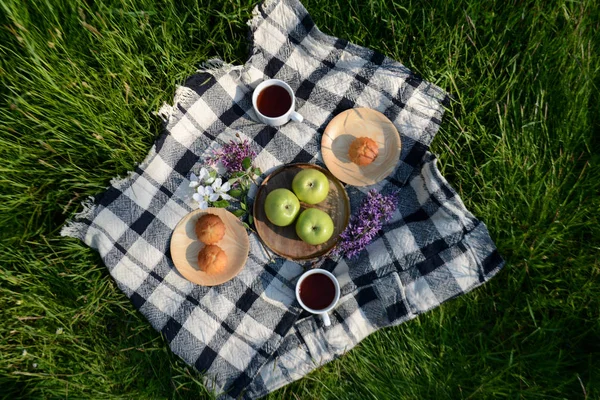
(80, 82)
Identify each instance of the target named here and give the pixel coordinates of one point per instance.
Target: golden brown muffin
(212, 259)
(363, 151)
(210, 229)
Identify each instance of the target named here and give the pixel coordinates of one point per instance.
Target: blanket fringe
(119, 182)
(164, 112)
(211, 65)
(257, 16)
(216, 65)
(77, 229)
(73, 227)
(184, 95)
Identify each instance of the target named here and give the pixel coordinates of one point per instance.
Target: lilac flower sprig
(236, 157)
(375, 210)
(233, 155)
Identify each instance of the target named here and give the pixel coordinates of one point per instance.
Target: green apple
(282, 207)
(311, 186)
(314, 226)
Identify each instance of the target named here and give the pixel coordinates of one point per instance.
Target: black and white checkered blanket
(249, 335)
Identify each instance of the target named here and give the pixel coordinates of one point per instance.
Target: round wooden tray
(185, 247)
(283, 240)
(352, 124)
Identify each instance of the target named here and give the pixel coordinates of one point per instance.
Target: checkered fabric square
(249, 336)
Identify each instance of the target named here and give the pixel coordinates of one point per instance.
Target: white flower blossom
(34, 365)
(59, 331)
(221, 188)
(194, 181)
(205, 177)
(24, 353)
(203, 195)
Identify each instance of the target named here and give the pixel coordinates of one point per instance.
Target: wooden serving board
(185, 247)
(283, 240)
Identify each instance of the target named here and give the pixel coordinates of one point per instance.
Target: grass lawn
(80, 80)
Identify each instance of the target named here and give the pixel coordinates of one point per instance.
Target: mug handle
(294, 116)
(326, 320)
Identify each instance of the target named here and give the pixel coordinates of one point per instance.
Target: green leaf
(243, 205)
(238, 213)
(221, 204)
(238, 174)
(250, 219)
(237, 193)
(257, 171)
(246, 163)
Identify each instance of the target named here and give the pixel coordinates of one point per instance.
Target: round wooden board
(350, 125)
(283, 240)
(185, 247)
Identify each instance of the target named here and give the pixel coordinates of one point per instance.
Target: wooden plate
(283, 240)
(352, 124)
(185, 247)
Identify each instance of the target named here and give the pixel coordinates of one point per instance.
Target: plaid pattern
(249, 335)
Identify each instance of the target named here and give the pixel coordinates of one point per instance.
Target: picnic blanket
(249, 336)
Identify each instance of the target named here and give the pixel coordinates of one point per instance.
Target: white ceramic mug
(322, 312)
(284, 118)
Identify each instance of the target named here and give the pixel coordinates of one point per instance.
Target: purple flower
(375, 210)
(232, 154)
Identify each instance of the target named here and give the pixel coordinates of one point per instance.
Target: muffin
(212, 259)
(363, 151)
(210, 229)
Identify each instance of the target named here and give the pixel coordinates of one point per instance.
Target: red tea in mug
(317, 291)
(273, 101)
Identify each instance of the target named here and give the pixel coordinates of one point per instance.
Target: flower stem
(262, 244)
